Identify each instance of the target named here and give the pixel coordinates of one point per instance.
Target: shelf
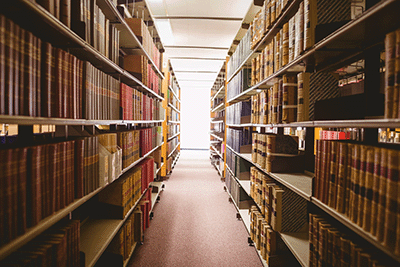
(299, 245)
(130, 254)
(174, 108)
(300, 183)
(43, 225)
(353, 227)
(154, 196)
(172, 137)
(220, 107)
(219, 94)
(170, 154)
(159, 169)
(128, 40)
(284, 17)
(216, 151)
(173, 92)
(50, 29)
(96, 235)
(175, 122)
(217, 137)
(176, 160)
(217, 120)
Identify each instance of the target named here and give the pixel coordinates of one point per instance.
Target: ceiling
(198, 36)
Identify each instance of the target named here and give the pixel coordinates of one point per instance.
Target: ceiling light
(165, 31)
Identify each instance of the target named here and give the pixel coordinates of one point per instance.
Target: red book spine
(122, 101)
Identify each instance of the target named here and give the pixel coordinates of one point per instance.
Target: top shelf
(342, 47)
(285, 16)
(128, 40)
(51, 30)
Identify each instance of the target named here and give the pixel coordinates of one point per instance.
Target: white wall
(195, 118)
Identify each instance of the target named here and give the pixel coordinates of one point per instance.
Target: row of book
(129, 234)
(276, 152)
(238, 113)
(137, 106)
(141, 31)
(241, 53)
(240, 83)
(87, 20)
(172, 99)
(240, 167)
(173, 84)
(360, 181)
(110, 158)
(40, 180)
(282, 208)
(58, 246)
(329, 246)
(172, 114)
(218, 129)
(173, 129)
(392, 79)
(239, 196)
(138, 66)
(172, 144)
(171, 160)
(239, 140)
(137, 143)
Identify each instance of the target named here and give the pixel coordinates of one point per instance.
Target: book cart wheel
(151, 215)
(238, 216)
(250, 241)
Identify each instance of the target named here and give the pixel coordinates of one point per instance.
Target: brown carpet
(194, 224)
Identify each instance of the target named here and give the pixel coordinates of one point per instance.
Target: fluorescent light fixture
(165, 31)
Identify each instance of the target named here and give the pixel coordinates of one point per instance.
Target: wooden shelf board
(219, 94)
(172, 137)
(245, 185)
(174, 122)
(139, 160)
(174, 108)
(155, 195)
(217, 137)
(299, 244)
(130, 254)
(220, 107)
(173, 92)
(170, 154)
(43, 225)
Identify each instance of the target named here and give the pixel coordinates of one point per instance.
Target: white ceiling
(203, 31)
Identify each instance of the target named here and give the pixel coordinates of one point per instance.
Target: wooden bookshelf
(299, 245)
(216, 137)
(220, 107)
(172, 137)
(173, 92)
(174, 108)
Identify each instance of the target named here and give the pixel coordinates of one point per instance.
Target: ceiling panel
(197, 65)
(196, 52)
(203, 8)
(184, 76)
(204, 32)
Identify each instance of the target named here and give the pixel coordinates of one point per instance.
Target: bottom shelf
(130, 254)
(154, 196)
(299, 244)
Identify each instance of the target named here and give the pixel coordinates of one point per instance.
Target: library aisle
(194, 224)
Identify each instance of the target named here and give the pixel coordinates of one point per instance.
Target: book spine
(375, 191)
(359, 209)
(65, 12)
(47, 76)
(342, 176)
(390, 44)
(368, 194)
(37, 85)
(9, 66)
(355, 186)
(333, 179)
(382, 195)
(389, 239)
(350, 149)
(396, 91)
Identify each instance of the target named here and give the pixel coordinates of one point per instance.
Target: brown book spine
(390, 45)
(19, 83)
(9, 66)
(396, 87)
(350, 149)
(65, 12)
(2, 64)
(65, 85)
(333, 180)
(58, 101)
(353, 205)
(57, 8)
(382, 195)
(342, 176)
(375, 191)
(368, 195)
(51, 154)
(327, 169)
(47, 69)
(37, 85)
(79, 168)
(391, 199)
(22, 190)
(316, 180)
(361, 181)
(47, 4)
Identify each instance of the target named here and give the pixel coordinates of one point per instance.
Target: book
(390, 45)
(303, 81)
(342, 176)
(365, 215)
(289, 101)
(333, 175)
(382, 195)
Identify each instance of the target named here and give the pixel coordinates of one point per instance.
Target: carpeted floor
(194, 224)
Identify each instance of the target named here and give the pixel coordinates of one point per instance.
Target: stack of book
(239, 196)
(101, 94)
(360, 181)
(329, 246)
(172, 114)
(118, 198)
(239, 140)
(241, 53)
(238, 113)
(129, 142)
(58, 246)
(240, 83)
(276, 152)
(149, 139)
(135, 105)
(139, 67)
(124, 241)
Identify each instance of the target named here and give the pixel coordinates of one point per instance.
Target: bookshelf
(172, 128)
(96, 234)
(342, 45)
